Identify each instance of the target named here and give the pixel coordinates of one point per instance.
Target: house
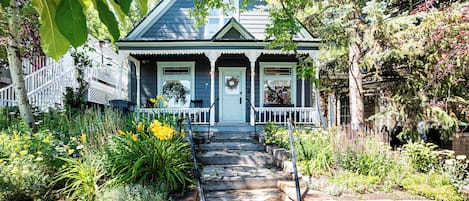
(46, 79)
(224, 66)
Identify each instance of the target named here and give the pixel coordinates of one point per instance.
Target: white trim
(151, 18)
(263, 65)
(162, 64)
(221, 71)
(261, 44)
(233, 24)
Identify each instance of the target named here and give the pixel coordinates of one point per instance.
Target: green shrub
(133, 192)
(456, 170)
(423, 157)
(356, 182)
(432, 185)
(24, 174)
(314, 151)
(365, 155)
(155, 156)
(277, 135)
(83, 178)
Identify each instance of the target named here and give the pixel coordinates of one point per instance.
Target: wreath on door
(232, 83)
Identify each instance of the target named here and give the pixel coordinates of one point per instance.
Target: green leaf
(5, 3)
(125, 5)
(119, 12)
(108, 19)
(143, 6)
(53, 43)
(71, 22)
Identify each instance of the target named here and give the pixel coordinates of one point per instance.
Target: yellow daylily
(134, 138)
(83, 138)
(139, 127)
(121, 132)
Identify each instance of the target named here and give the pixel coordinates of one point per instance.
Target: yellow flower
(139, 127)
(70, 151)
(39, 153)
(24, 152)
(46, 140)
(14, 170)
(183, 134)
(152, 100)
(134, 138)
(120, 132)
(83, 137)
(26, 146)
(39, 159)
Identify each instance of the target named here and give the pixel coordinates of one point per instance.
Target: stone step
(269, 194)
(219, 178)
(236, 157)
(233, 137)
(217, 146)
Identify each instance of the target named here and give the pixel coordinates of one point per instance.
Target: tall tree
(13, 52)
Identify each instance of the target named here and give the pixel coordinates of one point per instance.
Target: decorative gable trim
(151, 18)
(233, 24)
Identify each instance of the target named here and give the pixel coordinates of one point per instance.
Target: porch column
(137, 72)
(302, 92)
(123, 63)
(212, 56)
(252, 56)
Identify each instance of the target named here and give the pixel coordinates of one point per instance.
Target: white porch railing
(197, 115)
(34, 82)
(281, 115)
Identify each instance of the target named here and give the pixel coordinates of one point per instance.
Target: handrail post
(196, 167)
(292, 150)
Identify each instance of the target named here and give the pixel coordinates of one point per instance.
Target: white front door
(232, 95)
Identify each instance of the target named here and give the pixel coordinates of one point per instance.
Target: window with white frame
(277, 83)
(217, 18)
(176, 81)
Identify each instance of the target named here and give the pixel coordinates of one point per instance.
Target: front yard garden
(340, 164)
(93, 155)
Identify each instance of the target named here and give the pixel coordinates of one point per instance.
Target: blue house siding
(176, 24)
(149, 86)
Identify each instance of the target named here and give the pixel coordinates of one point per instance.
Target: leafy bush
(133, 192)
(423, 157)
(313, 147)
(456, 170)
(431, 185)
(276, 135)
(83, 178)
(365, 155)
(24, 173)
(155, 156)
(355, 181)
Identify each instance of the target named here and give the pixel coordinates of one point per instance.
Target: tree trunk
(16, 69)
(355, 85)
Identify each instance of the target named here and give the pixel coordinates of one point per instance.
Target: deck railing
(280, 115)
(197, 115)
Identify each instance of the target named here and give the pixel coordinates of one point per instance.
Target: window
(217, 18)
(344, 110)
(277, 83)
(176, 81)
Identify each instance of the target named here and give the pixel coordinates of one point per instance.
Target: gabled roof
(233, 31)
(170, 20)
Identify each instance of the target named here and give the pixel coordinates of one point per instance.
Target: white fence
(197, 115)
(280, 115)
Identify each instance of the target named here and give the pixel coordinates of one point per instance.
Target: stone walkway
(236, 167)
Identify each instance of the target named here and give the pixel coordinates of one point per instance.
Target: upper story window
(217, 18)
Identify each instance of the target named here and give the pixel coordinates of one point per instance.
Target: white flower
(461, 157)
(449, 161)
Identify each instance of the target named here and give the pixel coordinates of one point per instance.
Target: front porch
(262, 115)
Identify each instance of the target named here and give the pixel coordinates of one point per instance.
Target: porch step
(236, 157)
(233, 137)
(222, 178)
(220, 146)
(269, 194)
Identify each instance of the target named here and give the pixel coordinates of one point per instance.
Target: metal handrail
(255, 114)
(196, 166)
(293, 158)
